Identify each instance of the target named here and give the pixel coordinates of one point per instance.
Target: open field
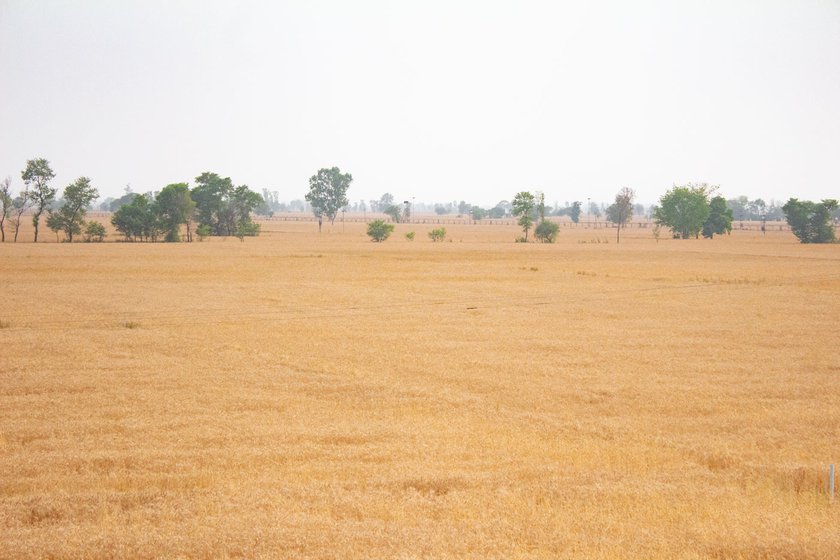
(305, 396)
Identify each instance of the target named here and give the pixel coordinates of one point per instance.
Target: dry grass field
(306, 396)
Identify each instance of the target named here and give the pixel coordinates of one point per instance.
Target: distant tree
(394, 212)
(523, 207)
(70, 217)
(328, 193)
(223, 208)
(438, 234)
(37, 176)
(621, 211)
(546, 231)
(175, 207)
(719, 220)
(464, 207)
(116, 204)
(574, 211)
(20, 205)
(379, 231)
(811, 221)
(497, 212)
(477, 213)
(684, 209)
(138, 221)
(594, 210)
(440, 209)
(385, 201)
(5, 205)
(94, 232)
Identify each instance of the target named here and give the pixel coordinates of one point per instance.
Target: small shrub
(94, 232)
(410, 236)
(546, 231)
(379, 231)
(202, 231)
(438, 234)
(520, 239)
(131, 325)
(247, 229)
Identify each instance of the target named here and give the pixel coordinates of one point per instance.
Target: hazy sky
(438, 100)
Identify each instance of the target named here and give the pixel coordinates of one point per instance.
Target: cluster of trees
(691, 209)
(38, 196)
(217, 207)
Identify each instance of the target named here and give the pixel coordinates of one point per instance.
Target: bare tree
(621, 211)
(20, 205)
(5, 205)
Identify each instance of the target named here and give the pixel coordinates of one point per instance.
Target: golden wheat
(320, 396)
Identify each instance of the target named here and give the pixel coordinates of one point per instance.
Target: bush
(95, 232)
(379, 231)
(202, 232)
(438, 234)
(546, 231)
(410, 236)
(247, 229)
(811, 221)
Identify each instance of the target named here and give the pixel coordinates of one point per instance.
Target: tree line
(213, 207)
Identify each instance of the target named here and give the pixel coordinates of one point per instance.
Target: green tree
(719, 220)
(621, 211)
(546, 231)
(175, 207)
(95, 232)
(379, 231)
(394, 212)
(6, 201)
(328, 193)
(574, 211)
(478, 213)
(138, 221)
(438, 234)
(811, 221)
(684, 209)
(523, 207)
(70, 217)
(37, 177)
(220, 206)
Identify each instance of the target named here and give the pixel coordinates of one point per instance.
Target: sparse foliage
(5, 205)
(621, 211)
(546, 231)
(70, 217)
(523, 207)
(438, 234)
(37, 176)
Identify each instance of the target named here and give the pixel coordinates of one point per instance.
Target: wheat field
(319, 396)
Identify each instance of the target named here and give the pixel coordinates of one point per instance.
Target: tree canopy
(523, 207)
(811, 221)
(328, 193)
(720, 218)
(37, 176)
(223, 208)
(684, 209)
(175, 207)
(70, 217)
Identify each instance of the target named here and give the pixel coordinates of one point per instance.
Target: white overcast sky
(438, 100)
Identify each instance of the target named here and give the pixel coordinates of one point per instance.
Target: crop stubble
(306, 396)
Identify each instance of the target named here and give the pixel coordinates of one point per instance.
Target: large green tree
(175, 207)
(138, 221)
(684, 209)
(720, 218)
(71, 216)
(523, 207)
(223, 208)
(811, 221)
(328, 193)
(37, 177)
(621, 211)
